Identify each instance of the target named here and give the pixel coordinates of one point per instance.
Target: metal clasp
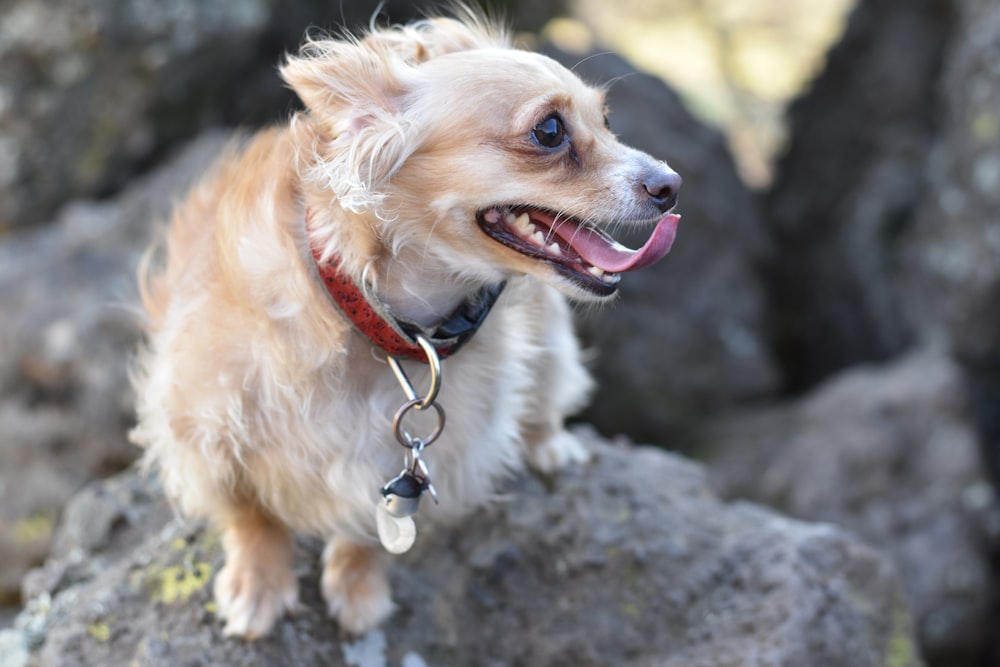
(405, 438)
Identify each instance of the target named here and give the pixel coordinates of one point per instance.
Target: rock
(889, 453)
(950, 276)
(627, 561)
(68, 294)
(850, 185)
(90, 89)
(689, 335)
(885, 221)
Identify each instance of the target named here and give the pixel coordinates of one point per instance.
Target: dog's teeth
(596, 272)
(509, 218)
(554, 249)
(523, 224)
(492, 216)
(538, 239)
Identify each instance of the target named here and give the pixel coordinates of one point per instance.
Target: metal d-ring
(407, 440)
(434, 362)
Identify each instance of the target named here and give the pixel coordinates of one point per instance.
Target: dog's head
(488, 160)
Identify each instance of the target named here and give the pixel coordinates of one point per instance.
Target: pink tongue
(600, 250)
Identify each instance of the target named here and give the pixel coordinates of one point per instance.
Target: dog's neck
(408, 297)
(416, 290)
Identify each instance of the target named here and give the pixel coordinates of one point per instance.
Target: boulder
(689, 335)
(889, 453)
(849, 187)
(885, 220)
(70, 327)
(950, 276)
(90, 90)
(629, 560)
(884, 212)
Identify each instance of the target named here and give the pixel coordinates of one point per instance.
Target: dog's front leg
(561, 385)
(355, 585)
(257, 585)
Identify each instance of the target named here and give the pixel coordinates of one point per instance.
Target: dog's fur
(263, 408)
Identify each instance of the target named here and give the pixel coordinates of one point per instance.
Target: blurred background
(825, 336)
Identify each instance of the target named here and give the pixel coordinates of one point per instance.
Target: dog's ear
(337, 77)
(354, 90)
(337, 74)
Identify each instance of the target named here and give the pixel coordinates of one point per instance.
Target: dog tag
(397, 534)
(401, 496)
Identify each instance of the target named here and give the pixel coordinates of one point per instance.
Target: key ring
(404, 437)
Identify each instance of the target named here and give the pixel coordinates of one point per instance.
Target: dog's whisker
(593, 55)
(611, 82)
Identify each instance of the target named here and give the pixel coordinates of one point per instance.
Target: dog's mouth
(578, 250)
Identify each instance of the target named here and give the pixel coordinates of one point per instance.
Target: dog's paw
(556, 452)
(251, 600)
(356, 587)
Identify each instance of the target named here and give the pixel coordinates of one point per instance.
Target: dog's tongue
(602, 251)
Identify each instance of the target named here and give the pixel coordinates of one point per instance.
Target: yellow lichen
(178, 583)
(34, 529)
(900, 651)
(985, 126)
(100, 630)
(632, 609)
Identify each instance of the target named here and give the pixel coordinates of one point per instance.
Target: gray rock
(627, 561)
(849, 186)
(889, 453)
(68, 294)
(689, 335)
(91, 88)
(885, 208)
(950, 276)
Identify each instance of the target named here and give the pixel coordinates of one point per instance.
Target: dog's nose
(662, 186)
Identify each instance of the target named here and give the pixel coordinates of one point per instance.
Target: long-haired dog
(441, 189)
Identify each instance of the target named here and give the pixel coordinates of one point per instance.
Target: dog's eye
(550, 133)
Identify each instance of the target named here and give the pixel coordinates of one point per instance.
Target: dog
(433, 209)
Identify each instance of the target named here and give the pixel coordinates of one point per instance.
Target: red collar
(395, 336)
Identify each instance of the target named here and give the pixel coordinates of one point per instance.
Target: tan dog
(434, 164)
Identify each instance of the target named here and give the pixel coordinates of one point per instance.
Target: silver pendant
(401, 495)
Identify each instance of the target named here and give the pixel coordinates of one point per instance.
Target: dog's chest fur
(351, 447)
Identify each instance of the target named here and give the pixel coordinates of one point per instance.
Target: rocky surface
(91, 89)
(849, 187)
(64, 397)
(951, 276)
(885, 221)
(891, 454)
(628, 561)
(689, 335)
(885, 209)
